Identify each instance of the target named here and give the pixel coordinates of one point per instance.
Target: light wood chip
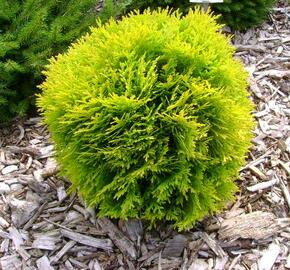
(275, 74)
(255, 225)
(4, 235)
(82, 210)
(46, 241)
(32, 151)
(4, 246)
(53, 169)
(63, 251)
(16, 237)
(44, 264)
(3, 223)
(68, 265)
(287, 265)
(78, 264)
(257, 48)
(61, 193)
(262, 185)
(213, 245)
(269, 257)
(258, 172)
(199, 264)
(220, 263)
(285, 166)
(95, 265)
(22, 211)
(285, 191)
(34, 217)
(121, 241)
(234, 262)
(11, 262)
(104, 244)
(46, 152)
(23, 253)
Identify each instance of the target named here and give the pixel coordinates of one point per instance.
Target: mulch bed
(42, 226)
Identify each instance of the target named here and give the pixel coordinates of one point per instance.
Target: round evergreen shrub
(150, 117)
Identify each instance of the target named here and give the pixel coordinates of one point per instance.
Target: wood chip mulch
(44, 227)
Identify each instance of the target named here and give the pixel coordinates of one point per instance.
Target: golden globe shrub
(150, 117)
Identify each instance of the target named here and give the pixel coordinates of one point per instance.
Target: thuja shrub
(150, 117)
(238, 14)
(32, 31)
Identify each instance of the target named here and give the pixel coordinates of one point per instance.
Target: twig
(57, 225)
(262, 185)
(35, 216)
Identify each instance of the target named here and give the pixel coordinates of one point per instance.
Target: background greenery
(238, 14)
(31, 31)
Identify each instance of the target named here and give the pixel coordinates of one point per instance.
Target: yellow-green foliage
(150, 117)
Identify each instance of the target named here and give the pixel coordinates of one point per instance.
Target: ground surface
(43, 227)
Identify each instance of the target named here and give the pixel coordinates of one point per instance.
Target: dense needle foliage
(150, 117)
(30, 32)
(238, 14)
